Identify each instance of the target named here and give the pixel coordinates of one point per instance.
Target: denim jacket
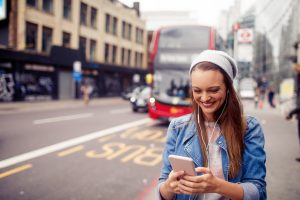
(182, 139)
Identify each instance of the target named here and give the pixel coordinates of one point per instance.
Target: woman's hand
(206, 183)
(172, 182)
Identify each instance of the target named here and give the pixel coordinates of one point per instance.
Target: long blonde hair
(232, 122)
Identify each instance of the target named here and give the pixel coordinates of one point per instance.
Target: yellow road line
(70, 151)
(15, 170)
(104, 139)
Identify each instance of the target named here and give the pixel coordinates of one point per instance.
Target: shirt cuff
(250, 191)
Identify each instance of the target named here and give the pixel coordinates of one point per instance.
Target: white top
(214, 157)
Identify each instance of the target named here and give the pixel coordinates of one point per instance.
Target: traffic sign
(245, 35)
(77, 76)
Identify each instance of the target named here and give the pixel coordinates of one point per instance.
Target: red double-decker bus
(173, 49)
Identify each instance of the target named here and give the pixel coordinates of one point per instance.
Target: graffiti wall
(6, 87)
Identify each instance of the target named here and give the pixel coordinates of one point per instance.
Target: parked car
(247, 88)
(130, 91)
(139, 100)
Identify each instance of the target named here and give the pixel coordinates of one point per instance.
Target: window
(141, 59)
(83, 14)
(93, 45)
(106, 53)
(126, 30)
(48, 6)
(107, 23)
(66, 40)
(129, 57)
(129, 32)
(46, 39)
(123, 56)
(114, 54)
(31, 36)
(115, 25)
(139, 35)
(82, 44)
(67, 9)
(138, 59)
(123, 29)
(94, 17)
(32, 3)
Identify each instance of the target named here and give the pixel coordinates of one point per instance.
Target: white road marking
(120, 111)
(62, 118)
(72, 142)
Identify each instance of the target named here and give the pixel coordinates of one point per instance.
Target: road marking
(62, 118)
(120, 111)
(15, 170)
(69, 143)
(104, 139)
(146, 193)
(70, 151)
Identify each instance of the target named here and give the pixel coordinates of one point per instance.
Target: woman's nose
(205, 97)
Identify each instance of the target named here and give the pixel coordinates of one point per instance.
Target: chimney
(136, 6)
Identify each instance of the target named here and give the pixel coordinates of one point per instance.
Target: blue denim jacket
(182, 139)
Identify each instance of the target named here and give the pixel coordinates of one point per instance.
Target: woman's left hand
(205, 183)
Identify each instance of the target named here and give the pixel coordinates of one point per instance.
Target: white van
(247, 88)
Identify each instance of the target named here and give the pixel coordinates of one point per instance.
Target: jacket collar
(192, 144)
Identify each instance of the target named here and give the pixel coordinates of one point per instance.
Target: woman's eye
(214, 91)
(197, 91)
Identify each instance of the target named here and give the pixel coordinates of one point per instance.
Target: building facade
(108, 38)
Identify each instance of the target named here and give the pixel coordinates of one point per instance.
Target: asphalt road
(94, 152)
(105, 151)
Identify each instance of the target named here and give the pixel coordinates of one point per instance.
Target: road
(105, 151)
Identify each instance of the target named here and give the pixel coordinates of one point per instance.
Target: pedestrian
(263, 85)
(295, 111)
(256, 97)
(271, 95)
(227, 148)
(86, 92)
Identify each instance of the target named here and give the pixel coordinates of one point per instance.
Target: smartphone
(182, 163)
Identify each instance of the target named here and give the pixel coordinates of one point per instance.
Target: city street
(65, 150)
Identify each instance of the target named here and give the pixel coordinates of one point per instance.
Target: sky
(208, 11)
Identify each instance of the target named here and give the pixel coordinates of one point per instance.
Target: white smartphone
(182, 163)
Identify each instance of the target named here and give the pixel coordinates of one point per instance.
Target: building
(41, 39)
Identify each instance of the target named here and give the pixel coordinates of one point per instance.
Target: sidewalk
(8, 107)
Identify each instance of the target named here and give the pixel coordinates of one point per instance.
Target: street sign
(77, 66)
(77, 71)
(245, 35)
(77, 76)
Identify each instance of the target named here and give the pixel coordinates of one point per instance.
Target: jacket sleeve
(254, 159)
(168, 149)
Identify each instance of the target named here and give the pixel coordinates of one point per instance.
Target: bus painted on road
(173, 49)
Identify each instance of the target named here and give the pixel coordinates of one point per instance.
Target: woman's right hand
(172, 182)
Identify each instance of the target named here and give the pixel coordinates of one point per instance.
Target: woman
(227, 148)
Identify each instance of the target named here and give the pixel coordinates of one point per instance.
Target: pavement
(8, 107)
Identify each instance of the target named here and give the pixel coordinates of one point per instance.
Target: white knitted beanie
(220, 58)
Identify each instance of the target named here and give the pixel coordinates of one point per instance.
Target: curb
(57, 104)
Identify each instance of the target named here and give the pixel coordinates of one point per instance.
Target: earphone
(198, 120)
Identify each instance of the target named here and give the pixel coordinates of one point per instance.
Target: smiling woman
(216, 135)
